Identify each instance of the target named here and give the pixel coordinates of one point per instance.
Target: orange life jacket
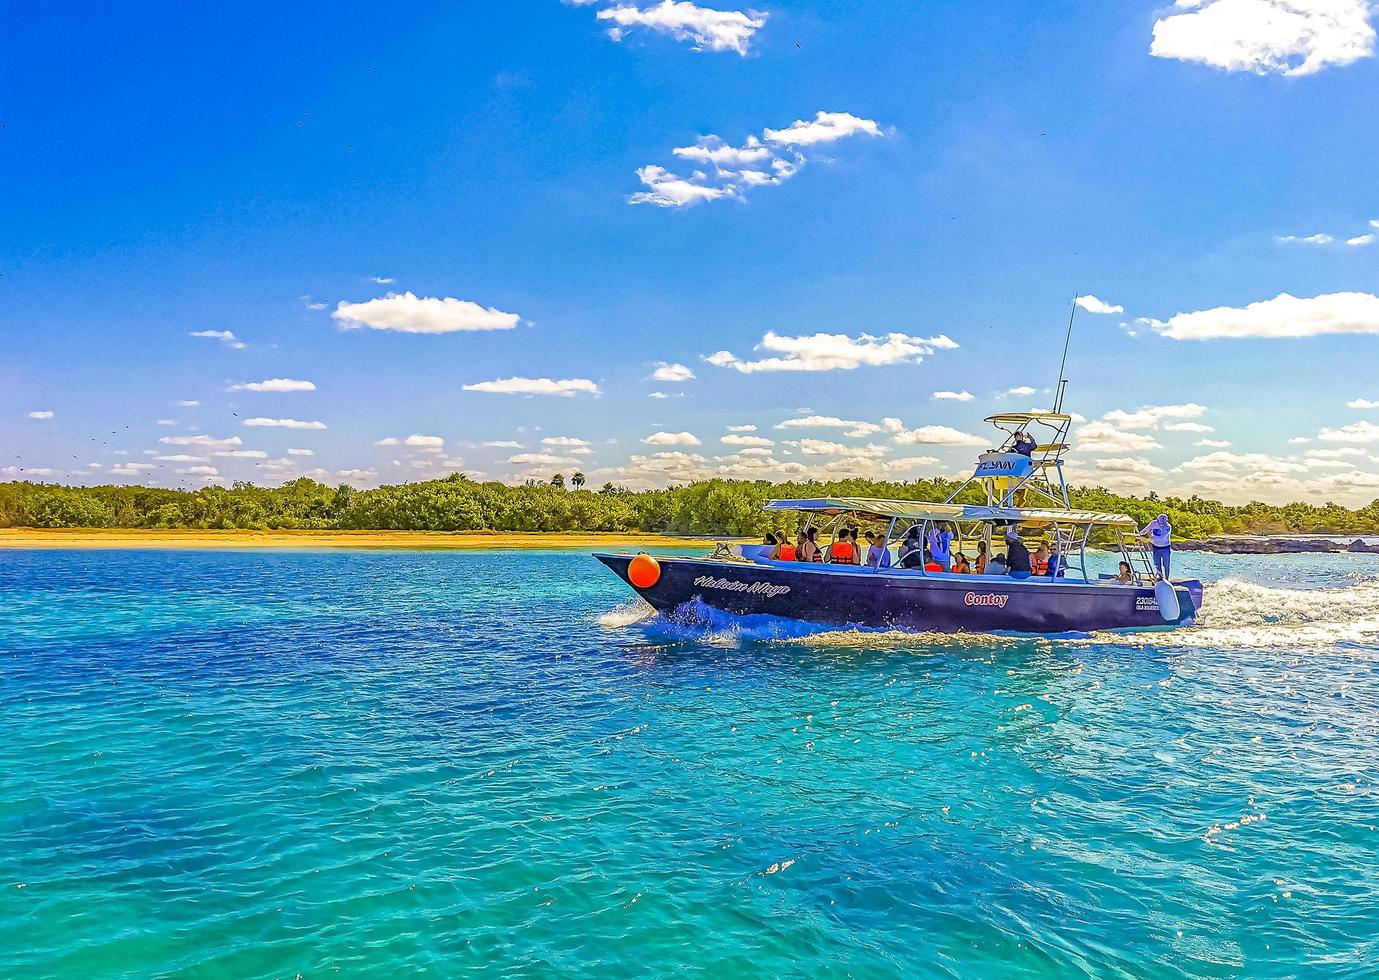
(787, 552)
(842, 553)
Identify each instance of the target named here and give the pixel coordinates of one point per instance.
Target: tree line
(456, 503)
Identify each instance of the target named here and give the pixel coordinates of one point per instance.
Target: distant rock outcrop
(1276, 546)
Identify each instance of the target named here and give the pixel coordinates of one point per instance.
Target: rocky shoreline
(1276, 546)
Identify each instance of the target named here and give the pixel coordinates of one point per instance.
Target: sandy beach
(29, 537)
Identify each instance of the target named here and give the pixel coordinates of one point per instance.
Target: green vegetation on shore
(730, 507)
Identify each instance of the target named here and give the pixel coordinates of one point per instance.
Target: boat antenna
(1062, 366)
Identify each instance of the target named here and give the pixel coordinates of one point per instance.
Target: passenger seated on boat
(842, 551)
(1017, 555)
(911, 549)
(783, 551)
(997, 565)
(808, 549)
(932, 566)
(960, 565)
(1024, 444)
(1126, 576)
(980, 567)
(878, 555)
(1039, 561)
(1055, 566)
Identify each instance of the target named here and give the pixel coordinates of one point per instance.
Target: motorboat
(1016, 488)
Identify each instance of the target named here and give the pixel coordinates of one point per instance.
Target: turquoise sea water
(387, 763)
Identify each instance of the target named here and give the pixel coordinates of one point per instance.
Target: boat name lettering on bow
(985, 599)
(751, 588)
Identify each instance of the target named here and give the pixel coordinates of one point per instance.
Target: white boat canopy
(1033, 415)
(919, 510)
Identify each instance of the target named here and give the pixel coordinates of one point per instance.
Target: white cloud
(389, 441)
(830, 352)
(825, 127)
(283, 424)
(668, 190)
(1103, 437)
(383, 280)
(940, 435)
(855, 428)
(26, 472)
(199, 440)
(127, 469)
(1282, 316)
(1020, 391)
(733, 439)
(187, 403)
(167, 422)
(671, 439)
(300, 452)
(1354, 432)
(564, 388)
(657, 394)
(723, 156)
(504, 444)
(180, 458)
(1093, 305)
(672, 372)
(773, 158)
(200, 471)
(430, 442)
(1241, 464)
(909, 463)
(41, 415)
(541, 459)
(954, 396)
(1360, 240)
(224, 336)
(1283, 37)
(274, 384)
(704, 28)
(1362, 403)
(564, 441)
(1116, 431)
(822, 447)
(1150, 416)
(1299, 441)
(1128, 466)
(1321, 238)
(1212, 443)
(241, 454)
(409, 313)
(742, 428)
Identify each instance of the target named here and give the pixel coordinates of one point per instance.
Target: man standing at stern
(1161, 539)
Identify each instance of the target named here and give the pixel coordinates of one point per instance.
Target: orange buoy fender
(644, 571)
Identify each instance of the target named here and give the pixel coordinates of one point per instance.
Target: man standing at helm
(1161, 539)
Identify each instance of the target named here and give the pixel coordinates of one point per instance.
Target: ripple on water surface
(272, 763)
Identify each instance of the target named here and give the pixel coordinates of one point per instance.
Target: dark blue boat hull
(896, 599)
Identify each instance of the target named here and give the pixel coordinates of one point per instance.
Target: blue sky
(168, 171)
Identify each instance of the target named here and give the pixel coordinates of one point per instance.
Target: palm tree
(558, 480)
(577, 480)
